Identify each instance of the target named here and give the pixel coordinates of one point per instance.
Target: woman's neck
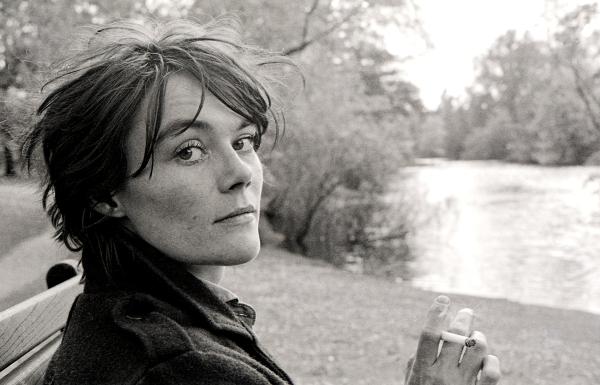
(211, 273)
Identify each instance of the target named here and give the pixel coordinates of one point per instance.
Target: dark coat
(159, 325)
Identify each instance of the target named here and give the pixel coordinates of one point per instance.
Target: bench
(31, 331)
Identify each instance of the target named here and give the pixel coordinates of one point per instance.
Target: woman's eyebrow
(178, 126)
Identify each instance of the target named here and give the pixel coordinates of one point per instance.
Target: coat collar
(223, 293)
(143, 268)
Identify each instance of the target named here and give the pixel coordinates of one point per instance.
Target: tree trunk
(579, 88)
(324, 193)
(9, 162)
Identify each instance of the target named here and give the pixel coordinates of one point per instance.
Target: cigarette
(458, 339)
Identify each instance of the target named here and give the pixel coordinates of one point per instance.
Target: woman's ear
(109, 207)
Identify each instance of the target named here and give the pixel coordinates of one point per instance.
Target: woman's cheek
(170, 199)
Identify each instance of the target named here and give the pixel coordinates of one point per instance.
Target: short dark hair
(84, 122)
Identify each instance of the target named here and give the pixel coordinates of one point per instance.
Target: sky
(461, 31)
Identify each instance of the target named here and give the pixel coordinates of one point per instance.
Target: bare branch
(417, 23)
(383, 238)
(324, 191)
(321, 34)
(583, 95)
(308, 17)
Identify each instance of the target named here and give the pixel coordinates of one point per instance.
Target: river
(526, 233)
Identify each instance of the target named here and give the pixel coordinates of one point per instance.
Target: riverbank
(328, 326)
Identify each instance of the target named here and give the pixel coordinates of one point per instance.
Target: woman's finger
(461, 324)
(472, 360)
(490, 373)
(427, 347)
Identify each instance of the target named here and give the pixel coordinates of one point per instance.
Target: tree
(456, 126)
(333, 152)
(579, 54)
(533, 100)
(511, 73)
(12, 112)
(431, 136)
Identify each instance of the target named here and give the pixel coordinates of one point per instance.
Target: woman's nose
(236, 172)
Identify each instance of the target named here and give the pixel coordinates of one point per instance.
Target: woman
(150, 146)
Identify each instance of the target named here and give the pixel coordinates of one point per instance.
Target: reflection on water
(526, 233)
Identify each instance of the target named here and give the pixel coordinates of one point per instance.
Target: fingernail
(440, 305)
(467, 311)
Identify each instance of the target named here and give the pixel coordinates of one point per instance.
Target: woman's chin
(238, 261)
(238, 253)
(244, 255)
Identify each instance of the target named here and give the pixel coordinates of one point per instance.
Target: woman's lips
(240, 215)
(237, 219)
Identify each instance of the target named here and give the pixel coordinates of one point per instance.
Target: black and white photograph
(299, 192)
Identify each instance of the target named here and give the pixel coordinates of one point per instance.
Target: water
(526, 233)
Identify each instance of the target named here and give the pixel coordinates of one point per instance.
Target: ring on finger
(459, 339)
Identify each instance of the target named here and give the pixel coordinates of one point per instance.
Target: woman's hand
(451, 366)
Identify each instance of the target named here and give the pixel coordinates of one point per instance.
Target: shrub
(488, 142)
(329, 169)
(362, 232)
(16, 114)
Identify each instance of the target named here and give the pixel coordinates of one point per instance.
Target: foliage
(15, 116)
(562, 134)
(533, 101)
(430, 137)
(454, 117)
(335, 157)
(511, 73)
(489, 141)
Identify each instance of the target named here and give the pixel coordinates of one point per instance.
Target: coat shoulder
(115, 338)
(208, 368)
(135, 338)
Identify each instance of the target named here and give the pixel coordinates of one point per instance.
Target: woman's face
(201, 204)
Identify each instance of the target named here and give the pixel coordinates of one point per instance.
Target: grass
(26, 249)
(328, 326)
(22, 214)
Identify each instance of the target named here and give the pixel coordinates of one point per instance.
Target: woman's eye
(191, 152)
(247, 143)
